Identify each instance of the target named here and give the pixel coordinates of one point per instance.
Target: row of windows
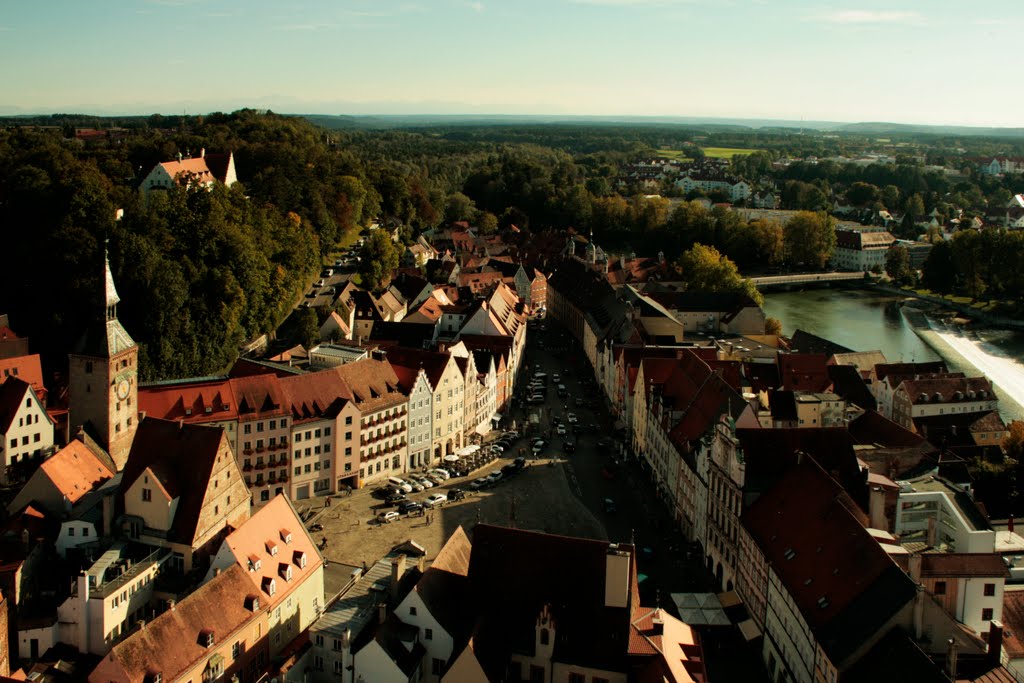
(271, 425)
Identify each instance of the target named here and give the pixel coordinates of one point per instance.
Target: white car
(387, 517)
(497, 448)
(561, 430)
(436, 499)
(444, 476)
(425, 482)
(571, 417)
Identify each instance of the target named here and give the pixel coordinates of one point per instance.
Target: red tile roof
(75, 471)
(373, 384)
(276, 526)
(197, 401)
(27, 368)
(170, 644)
(804, 371)
(1013, 623)
(948, 390)
(957, 565)
(809, 531)
(315, 395)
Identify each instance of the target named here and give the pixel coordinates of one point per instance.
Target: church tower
(103, 377)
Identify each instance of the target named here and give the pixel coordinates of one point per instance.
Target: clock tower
(103, 377)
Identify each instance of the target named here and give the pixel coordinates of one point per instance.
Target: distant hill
(880, 128)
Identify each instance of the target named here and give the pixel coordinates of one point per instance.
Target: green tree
(308, 328)
(486, 222)
(459, 208)
(914, 206)
(939, 273)
(705, 269)
(810, 239)
(897, 265)
(1013, 444)
(770, 241)
(772, 326)
(379, 259)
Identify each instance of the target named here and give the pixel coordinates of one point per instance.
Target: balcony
(283, 478)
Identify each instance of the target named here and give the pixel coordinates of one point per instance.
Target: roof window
(271, 548)
(286, 536)
(789, 554)
(299, 558)
(206, 638)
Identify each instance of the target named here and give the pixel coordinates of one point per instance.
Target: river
(864, 320)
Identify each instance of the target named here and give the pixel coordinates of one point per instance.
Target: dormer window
(153, 677)
(299, 558)
(271, 548)
(286, 536)
(252, 602)
(269, 586)
(285, 571)
(206, 638)
(254, 563)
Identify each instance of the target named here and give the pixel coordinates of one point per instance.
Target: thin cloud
(861, 16)
(475, 6)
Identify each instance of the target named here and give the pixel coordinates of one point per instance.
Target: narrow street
(597, 472)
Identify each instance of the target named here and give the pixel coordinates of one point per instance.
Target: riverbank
(968, 311)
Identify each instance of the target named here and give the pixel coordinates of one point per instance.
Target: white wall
(74, 533)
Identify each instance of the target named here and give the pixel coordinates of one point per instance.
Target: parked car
(395, 499)
(409, 507)
(519, 462)
(494, 477)
(456, 494)
(424, 481)
(478, 484)
(509, 470)
(571, 417)
(561, 430)
(436, 499)
(387, 517)
(497, 448)
(569, 446)
(438, 472)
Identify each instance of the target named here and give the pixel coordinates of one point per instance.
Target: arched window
(544, 636)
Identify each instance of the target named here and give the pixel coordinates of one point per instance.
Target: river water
(864, 320)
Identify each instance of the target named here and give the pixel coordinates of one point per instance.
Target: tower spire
(110, 296)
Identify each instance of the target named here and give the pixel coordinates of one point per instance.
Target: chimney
(142, 624)
(382, 612)
(216, 571)
(952, 652)
(930, 540)
(995, 643)
(397, 570)
(202, 152)
(914, 568)
(170, 604)
(616, 576)
(421, 564)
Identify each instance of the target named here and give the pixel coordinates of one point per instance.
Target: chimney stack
(952, 652)
(382, 612)
(397, 570)
(914, 568)
(931, 532)
(995, 643)
(202, 152)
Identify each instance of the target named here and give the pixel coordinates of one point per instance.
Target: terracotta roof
(75, 471)
(274, 538)
(444, 584)
(1013, 623)
(844, 584)
(957, 565)
(373, 384)
(164, 447)
(27, 368)
(202, 400)
(948, 390)
(884, 370)
(170, 643)
(714, 398)
(258, 396)
(429, 310)
(804, 371)
(320, 394)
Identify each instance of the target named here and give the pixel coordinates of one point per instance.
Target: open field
(727, 152)
(676, 154)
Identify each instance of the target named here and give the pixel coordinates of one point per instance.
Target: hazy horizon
(737, 59)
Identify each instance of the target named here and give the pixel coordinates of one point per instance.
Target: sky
(928, 62)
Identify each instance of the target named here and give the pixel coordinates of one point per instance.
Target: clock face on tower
(122, 388)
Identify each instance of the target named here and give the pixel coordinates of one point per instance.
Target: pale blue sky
(942, 61)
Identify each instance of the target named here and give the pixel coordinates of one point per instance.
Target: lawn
(727, 152)
(676, 154)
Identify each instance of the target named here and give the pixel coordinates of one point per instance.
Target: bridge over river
(802, 279)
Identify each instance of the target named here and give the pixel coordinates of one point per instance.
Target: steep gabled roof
(12, 393)
(170, 644)
(905, 370)
(804, 371)
(812, 535)
(181, 457)
(433, 363)
(199, 400)
(948, 389)
(320, 394)
(373, 384)
(805, 342)
(274, 538)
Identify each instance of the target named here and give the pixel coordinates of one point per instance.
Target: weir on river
(863, 320)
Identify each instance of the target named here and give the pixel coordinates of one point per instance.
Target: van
(401, 485)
